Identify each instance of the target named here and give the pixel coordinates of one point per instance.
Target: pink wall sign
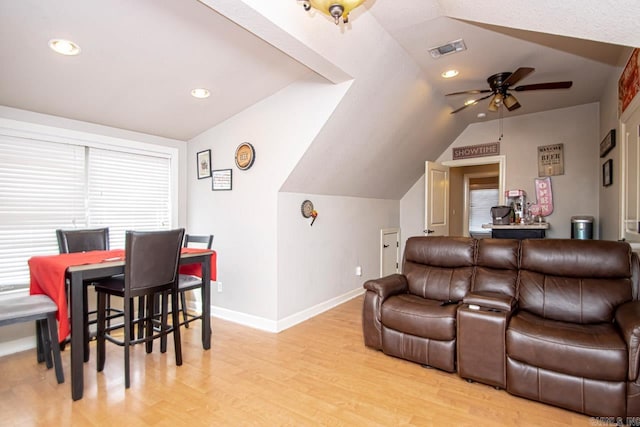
(544, 205)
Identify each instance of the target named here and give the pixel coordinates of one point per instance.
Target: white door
(436, 198)
(389, 251)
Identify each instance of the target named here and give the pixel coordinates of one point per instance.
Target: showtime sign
(480, 150)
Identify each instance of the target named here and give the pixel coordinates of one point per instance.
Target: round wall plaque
(245, 155)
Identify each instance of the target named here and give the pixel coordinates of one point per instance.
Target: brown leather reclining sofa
(553, 320)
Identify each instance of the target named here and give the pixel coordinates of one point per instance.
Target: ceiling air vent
(446, 49)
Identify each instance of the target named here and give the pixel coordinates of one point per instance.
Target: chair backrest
(497, 266)
(95, 239)
(203, 240)
(151, 260)
(578, 281)
(439, 268)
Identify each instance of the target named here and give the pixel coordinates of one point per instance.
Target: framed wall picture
(245, 156)
(203, 159)
(551, 160)
(608, 143)
(221, 179)
(607, 173)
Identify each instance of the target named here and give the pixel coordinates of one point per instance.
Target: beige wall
(575, 192)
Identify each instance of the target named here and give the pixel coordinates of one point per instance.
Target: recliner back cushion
(439, 268)
(579, 281)
(497, 266)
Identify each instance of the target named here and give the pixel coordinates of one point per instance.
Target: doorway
(456, 202)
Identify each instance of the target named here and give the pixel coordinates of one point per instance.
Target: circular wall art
(245, 156)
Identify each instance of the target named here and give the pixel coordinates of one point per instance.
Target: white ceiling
(140, 59)
(139, 62)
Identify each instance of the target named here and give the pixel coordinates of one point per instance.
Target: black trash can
(582, 227)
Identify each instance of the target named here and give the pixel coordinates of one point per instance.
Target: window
(46, 185)
(480, 203)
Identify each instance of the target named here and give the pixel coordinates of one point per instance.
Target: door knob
(385, 246)
(429, 231)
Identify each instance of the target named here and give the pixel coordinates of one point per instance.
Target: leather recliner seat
(553, 320)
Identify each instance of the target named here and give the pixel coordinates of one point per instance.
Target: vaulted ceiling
(140, 59)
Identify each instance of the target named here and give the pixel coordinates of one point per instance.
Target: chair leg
(100, 339)
(185, 313)
(141, 315)
(164, 325)
(149, 315)
(176, 328)
(43, 330)
(128, 333)
(52, 332)
(39, 343)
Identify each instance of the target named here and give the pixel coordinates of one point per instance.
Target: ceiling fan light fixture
(334, 8)
(495, 102)
(511, 102)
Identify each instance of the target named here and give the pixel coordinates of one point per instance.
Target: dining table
(49, 275)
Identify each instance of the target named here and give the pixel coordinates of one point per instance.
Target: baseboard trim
(276, 326)
(16, 346)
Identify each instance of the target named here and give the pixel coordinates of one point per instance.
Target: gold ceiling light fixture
(334, 8)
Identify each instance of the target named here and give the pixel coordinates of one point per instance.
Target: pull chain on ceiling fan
(500, 85)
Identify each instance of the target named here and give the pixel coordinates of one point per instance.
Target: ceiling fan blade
(471, 103)
(518, 75)
(467, 92)
(539, 86)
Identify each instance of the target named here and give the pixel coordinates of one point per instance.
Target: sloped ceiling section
(394, 116)
(388, 119)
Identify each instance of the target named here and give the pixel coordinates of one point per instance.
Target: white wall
(575, 192)
(317, 264)
(412, 213)
(244, 221)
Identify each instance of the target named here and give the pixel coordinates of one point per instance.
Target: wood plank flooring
(316, 373)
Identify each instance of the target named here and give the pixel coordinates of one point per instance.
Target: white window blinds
(47, 185)
(128, 192)
(480, 203)
(42, 187)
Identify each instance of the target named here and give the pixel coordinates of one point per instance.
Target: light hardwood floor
(316, 373)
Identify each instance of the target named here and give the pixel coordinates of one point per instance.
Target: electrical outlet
(219, 286)
(358, 271)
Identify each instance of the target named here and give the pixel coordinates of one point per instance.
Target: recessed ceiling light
(449, 73)
(64, 47)
(200, 93)
(481, 115)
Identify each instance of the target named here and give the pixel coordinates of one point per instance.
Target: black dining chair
(151, 269)
(187, 282)
(42, 309)
(84, 240)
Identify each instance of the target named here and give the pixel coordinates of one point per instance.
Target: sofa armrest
(628, 320)
(387, 286)
(490, 300)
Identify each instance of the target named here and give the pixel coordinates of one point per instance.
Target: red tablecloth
(48, 276)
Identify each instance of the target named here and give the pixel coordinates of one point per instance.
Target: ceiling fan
(500, 85)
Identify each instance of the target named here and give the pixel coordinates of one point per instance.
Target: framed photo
(204, 164)
(608, 143)
(221, 179)
(607, 173)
